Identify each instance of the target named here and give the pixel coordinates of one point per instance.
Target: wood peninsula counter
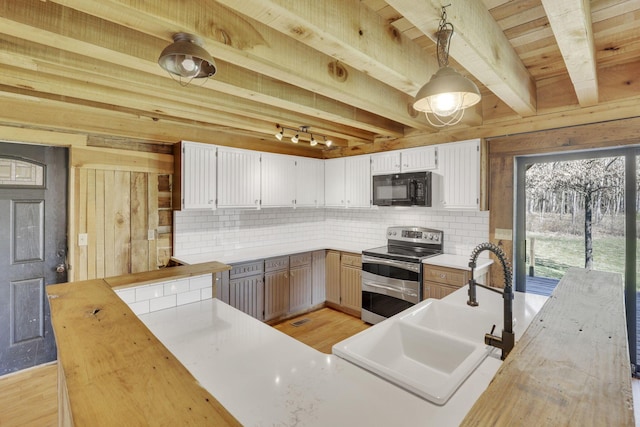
(113, 370)
(571, 367)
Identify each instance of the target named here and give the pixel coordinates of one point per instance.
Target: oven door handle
(411, 266)
(398, 291)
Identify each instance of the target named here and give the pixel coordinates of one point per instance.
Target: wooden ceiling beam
(103, 46)
(160, 97)
(480, 46)
(350, 32)
(49, 114)
(571, 24)
(249, 44)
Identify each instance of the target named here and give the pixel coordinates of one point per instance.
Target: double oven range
(392, 274)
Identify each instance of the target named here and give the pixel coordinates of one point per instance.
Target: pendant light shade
(447, 94)
(186, 59)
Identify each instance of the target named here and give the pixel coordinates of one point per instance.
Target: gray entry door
(33, 246)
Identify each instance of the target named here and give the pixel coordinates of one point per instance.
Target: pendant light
(187, 59)
(446, 95)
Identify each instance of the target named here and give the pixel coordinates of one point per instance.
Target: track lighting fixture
(313, 141)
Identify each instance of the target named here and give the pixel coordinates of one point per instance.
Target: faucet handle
(493, 329)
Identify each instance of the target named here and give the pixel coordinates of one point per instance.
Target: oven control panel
(414, 234)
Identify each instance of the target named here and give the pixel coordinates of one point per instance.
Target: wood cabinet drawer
(246, 269)
(279, 263)
(437, 290)
(300, 259)
(444, 275)
(353, 260)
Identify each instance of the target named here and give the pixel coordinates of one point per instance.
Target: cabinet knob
(443, 276)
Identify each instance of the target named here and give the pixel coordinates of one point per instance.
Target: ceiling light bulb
(328, 142)
(313, 141)
(295, 139)
(279, 135)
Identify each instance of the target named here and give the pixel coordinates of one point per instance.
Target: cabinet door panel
(277, 180)
(238, 178)
(351, 288)
(358, 181)
(419, 159)
(318, 292)
(198, 176)
(334, 182)
(309, 173)
(460, 167)
(300, 288)
(276, 294)
(385, 163)
(247, 295)
(332, 271)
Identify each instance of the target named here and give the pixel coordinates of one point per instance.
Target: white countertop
(264, 377)
(262, 252)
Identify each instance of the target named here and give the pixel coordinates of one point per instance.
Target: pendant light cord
(444, 34)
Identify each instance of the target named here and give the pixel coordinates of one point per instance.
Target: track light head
(280, 134)
(295, 138)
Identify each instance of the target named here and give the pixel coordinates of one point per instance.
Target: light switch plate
(503, 234)
(151, 234)
(83, 239)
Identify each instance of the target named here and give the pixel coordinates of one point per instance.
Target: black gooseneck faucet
(507, 340)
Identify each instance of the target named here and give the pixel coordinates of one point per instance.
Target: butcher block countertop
(139, 382)
(571, 367)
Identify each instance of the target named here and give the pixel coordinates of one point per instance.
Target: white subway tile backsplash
(141, 307)
(230, 230)
(176, 286)
(206, 293)
(200, 282)
(161, 303)
(127, 295)
(149, 291)
(188, 297)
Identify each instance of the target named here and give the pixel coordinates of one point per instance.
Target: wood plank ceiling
(348, 69)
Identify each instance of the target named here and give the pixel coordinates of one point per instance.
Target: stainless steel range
(392, 274)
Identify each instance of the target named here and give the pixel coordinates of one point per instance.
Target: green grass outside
(555, 253)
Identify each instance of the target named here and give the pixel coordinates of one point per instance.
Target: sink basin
(462, 321)
(429, 349)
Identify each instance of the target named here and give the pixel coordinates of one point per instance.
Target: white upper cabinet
(278, 187)
(385, 163)
(197, 175)
(238, 178)
(309, 182)
(460, 169)
(419, 159)
(358, 181)
(408, 160)
(334, 182)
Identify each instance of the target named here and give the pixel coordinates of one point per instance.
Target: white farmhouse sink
(429, 349)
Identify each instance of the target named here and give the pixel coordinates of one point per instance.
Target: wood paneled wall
(118, 206)
(504, 150)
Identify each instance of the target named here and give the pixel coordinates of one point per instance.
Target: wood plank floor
(323, 328)
(30, 397)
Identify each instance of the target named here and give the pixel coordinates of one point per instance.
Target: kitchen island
(206, 362)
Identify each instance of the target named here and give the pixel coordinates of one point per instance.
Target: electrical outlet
(83, 239)
(503, 234)
(151, 234)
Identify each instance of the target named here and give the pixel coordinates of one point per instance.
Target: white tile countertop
(262, 252)
(264, 377)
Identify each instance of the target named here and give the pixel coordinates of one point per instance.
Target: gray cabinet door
(276, 293)
(247, 295)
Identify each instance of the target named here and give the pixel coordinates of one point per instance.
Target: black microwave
(402, 189)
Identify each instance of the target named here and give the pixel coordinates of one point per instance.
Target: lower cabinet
(276, 287)
(246, 288)
(300, 286)
(344, 281)
(439, 282)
